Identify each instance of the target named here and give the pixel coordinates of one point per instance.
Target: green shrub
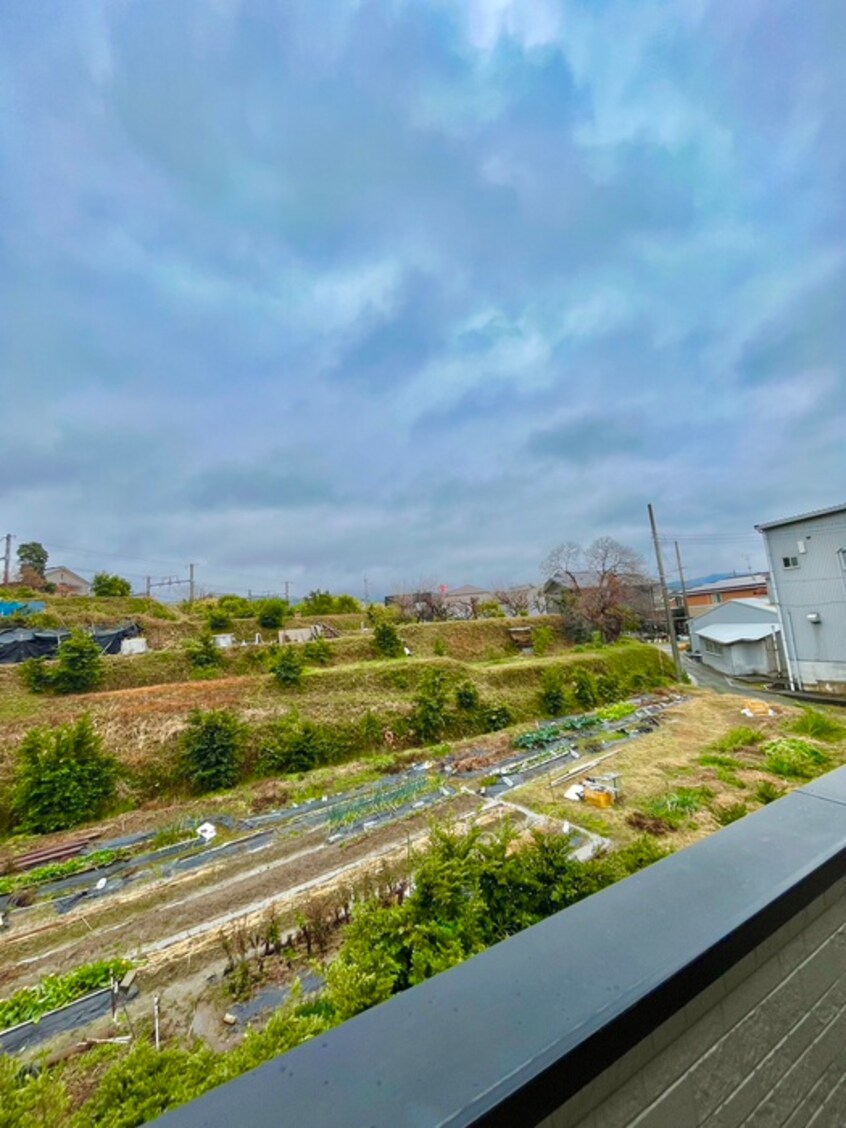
(63, 777)
(219, 619)
(386, 639)
(79, 667)
(497, 717)
(553, 693)
(236, 606)
(467, 696)
(608, 688)
(31, 1098)
(439, 648)
(287, 666)
(429, 717)
(211, 750)
(273, 613)
(104, 585)
(584, 688)
(818, 725)
(323, 603)
(542, 640)
(203, 652)
(319, 652)
(794, 759)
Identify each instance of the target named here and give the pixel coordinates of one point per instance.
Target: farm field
(300, 860)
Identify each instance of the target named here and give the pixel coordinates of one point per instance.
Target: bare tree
(605, 585)
(514, 601)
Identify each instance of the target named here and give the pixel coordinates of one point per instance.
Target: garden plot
(556, 743)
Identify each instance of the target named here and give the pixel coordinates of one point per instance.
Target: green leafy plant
(62, 777)
(439, 648)
(287, 667)
(30, 1003)
(615, 712)
(794, 759)
(211, 749)
(54, 871)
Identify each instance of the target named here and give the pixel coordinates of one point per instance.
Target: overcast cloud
(415, 289)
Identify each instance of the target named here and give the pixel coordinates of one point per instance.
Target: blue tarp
(29, 607)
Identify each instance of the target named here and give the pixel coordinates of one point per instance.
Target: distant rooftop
(802, 517)
(733, 583)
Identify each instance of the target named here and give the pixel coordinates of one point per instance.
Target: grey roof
(467, 589)
(760, 604)
(752, 579)
(802, 517)
(737, 632)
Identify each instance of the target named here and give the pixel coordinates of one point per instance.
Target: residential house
(807, 558)
(641, 594)
(703, 597)
(67, 581)
(739, 637)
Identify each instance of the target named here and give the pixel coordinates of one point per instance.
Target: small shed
(739, 638)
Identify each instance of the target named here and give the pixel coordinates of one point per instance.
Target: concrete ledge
(514, 1034)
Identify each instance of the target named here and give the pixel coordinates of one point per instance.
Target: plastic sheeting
(20, 644)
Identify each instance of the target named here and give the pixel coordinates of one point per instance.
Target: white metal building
(807, 556)
(740, 637)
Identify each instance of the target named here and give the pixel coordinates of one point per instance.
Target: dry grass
(662, 762)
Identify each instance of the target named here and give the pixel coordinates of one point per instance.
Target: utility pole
(7, 559)
(287, 585)
(661, 576)
(190, 583)
(684, 587)
(147, 587)
(366, 593)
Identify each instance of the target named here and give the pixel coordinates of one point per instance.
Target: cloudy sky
(415, 289)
